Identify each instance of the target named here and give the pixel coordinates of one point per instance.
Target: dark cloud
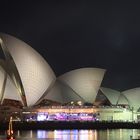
(80, 34)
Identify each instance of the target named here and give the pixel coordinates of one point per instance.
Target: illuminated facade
(26, 77)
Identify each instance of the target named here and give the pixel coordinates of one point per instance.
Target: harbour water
(109, 134)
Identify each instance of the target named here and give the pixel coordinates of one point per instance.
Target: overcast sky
(79, 34)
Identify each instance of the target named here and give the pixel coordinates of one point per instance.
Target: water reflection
(74, 134)
(109, 134)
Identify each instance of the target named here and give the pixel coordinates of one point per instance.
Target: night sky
(80, 34)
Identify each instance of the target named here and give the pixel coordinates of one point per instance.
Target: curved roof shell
(62, 93)
(2, 82)
(133, 96)
(11, 91)
(111, 95)
(31, 74)
(122, 100)
(7, 88)
(85, 82)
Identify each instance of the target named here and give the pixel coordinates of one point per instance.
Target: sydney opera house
(29, 90)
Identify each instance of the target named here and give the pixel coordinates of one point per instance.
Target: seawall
(51, 125)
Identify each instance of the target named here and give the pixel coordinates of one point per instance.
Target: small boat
(10, 132)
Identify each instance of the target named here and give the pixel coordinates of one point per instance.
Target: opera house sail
(26, 77)
(77, 85)
(26, 69)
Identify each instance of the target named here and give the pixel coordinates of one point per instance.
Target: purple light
(41, 117)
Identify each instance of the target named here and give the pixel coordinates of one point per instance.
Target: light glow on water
(108, 134)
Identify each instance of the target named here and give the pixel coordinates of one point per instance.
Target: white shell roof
(11, 91)
(62, 93)
(122, 100)
(112, 95)
(1, 80)
(85, 82)
(133, 96)
(35, 73)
